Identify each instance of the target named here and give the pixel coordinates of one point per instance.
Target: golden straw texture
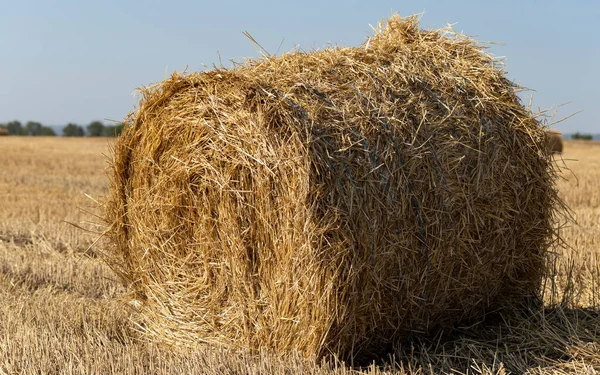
(334, 201)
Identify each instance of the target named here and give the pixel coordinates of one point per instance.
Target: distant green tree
(583, 137)
(73, 130)
(47, 131)
(113, 130)
(33, 128)
(14, 128)
(95, 129)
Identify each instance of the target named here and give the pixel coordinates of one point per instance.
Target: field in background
(61, 311)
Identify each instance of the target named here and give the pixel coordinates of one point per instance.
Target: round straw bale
(332, 201)
(554, 141)
(3, 131)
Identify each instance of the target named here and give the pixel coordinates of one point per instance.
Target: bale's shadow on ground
(515, 342)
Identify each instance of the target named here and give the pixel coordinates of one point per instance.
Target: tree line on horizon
(33, 128)
(583, 137)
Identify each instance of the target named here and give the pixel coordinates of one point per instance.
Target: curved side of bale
(332, 201)
(3, 131)
(554, 141)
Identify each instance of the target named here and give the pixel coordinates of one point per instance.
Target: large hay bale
(332, 201)
(554, 141)
(3, 131)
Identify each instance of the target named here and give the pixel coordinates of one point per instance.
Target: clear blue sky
(78, 61)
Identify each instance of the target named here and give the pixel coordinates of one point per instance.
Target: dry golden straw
(332, 201)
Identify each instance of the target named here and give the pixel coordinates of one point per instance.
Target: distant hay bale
(554, 141)
(332, 201)
(3, 131)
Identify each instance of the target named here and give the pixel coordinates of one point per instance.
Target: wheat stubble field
(61, 310)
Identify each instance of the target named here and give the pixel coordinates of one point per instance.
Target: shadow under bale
(332, 202)
(534, 341)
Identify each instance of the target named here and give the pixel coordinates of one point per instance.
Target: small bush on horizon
(73, 130)
(95, 129)
(113, 130)
(583, 137)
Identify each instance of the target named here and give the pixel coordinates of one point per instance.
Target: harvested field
(62, 308)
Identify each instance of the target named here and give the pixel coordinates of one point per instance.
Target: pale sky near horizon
(79, 61)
